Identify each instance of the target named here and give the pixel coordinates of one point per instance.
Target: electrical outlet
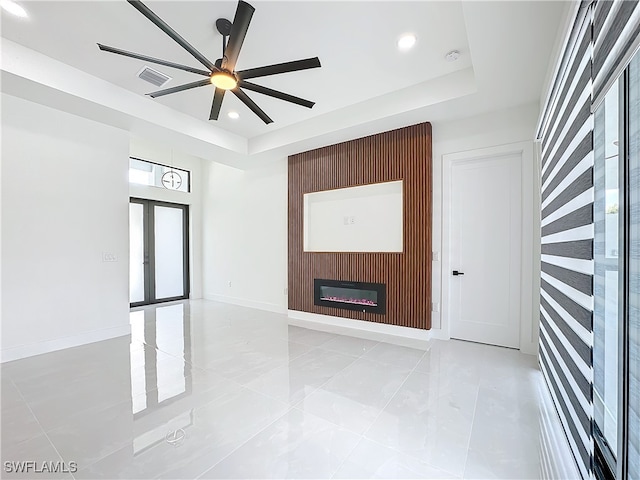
(352, 220)
(436, 256)
(435, 307)
(109, 257)
(229, 283)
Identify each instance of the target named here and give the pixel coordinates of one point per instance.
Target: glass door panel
(608, 265)
(136, 253)
(616, 349)
(158, 252)
(632, 339)
(169, 248)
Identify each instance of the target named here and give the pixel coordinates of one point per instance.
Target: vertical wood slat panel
(403, 154)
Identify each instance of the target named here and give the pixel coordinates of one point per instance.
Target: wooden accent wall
(403, 154)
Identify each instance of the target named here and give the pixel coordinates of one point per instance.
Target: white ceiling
(505, 51)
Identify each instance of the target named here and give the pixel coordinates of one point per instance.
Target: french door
(158, 252)
(616, 351)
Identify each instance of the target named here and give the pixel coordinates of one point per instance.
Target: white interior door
(485, 250)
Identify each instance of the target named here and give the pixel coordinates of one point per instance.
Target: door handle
(456, 273)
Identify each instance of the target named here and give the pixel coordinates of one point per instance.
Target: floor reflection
(162, 373)
(207, 390)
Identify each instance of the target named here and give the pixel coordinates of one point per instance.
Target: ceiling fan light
(224, 80)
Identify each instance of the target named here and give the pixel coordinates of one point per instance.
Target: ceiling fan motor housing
(223, 26)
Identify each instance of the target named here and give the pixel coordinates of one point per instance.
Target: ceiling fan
(222, 73)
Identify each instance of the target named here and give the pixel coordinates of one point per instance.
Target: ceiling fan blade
(106, 48)
(217, 103)
(276, 94)
(239, 28)
(146, 11)
(277, 68)
(180, 88)
(250, 103)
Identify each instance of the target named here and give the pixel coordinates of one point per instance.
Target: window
(608, 271)
(142, 172)
(616, 351)
(631, 331)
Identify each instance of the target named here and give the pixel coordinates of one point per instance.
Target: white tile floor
(243, 395)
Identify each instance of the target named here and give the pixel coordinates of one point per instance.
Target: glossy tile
(403, 357)
(211, 431)
(302, 376)
(505, 436)
(294, 350)
(59, 368)
(372, 460)
(347, 345)
(152, 409)
(25, 459)
(248, 360)
(482, 464)
(354, 397)
(454, 360)
(18, 423)
(221, 426)
(10, 395)
(221, 391)
(429, 423)
(90, 436)
(309, 337)
(298, 445)
(60, 384)
(54, 405)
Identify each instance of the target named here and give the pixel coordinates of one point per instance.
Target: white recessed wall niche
(366, 218)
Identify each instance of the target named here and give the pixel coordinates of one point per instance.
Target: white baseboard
(24, 351)
(529, 348)
(242, 302)
(408, 337)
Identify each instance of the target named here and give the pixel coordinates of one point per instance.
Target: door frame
(149, 247)
(530, 242)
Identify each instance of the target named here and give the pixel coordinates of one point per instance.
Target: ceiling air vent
(153, 76)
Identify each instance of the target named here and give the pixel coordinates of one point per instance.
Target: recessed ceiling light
(406, 41)
(13, 8)
(452, 56)
(234, 115)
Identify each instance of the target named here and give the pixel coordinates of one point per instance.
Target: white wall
(484, 131)
(245, 235)
(367, 218)
(64, 204)
(154, 151)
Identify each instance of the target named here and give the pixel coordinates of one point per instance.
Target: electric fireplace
(360, 296)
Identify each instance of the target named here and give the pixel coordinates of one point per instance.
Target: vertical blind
(616, 37)
(604, 38)
(566, 297)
